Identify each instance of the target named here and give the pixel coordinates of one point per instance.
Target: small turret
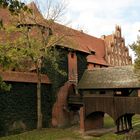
(118, 31)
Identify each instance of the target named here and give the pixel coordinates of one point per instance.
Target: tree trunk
(39, 112)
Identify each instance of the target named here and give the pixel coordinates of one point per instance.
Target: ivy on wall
(19, 108)
(19, 105)
(57, 78)
(81, 64)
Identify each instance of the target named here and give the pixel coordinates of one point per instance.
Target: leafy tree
(14, 6)
(33, 42)
(4, 86)
(136, 48)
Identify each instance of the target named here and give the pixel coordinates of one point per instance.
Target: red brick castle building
(96, 52)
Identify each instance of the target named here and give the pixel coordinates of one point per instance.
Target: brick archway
(61, 116)
(116, 107)
(94, 120)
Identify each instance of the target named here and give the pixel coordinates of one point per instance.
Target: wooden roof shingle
(110, 78)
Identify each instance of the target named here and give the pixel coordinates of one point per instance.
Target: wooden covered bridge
(111, 90)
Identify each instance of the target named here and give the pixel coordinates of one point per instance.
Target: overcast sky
(99, 17)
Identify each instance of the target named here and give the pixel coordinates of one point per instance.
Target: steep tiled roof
(110, 78)
(23, 77)
(75, 39)
(71, 38)
(5, 16)
(96, 60)
(80, 41)
(35, 18)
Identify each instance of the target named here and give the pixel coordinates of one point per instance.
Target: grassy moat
(73, 133)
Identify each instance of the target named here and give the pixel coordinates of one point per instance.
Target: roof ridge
(78, 31)
(32, 5)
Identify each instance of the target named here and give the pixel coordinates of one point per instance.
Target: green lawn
(136, 122)
(74, 134)
(58, 134)
(108, 122)
(45, 134)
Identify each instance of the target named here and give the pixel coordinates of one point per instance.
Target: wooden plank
(114, 106)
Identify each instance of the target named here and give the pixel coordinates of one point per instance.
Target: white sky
(99, 17)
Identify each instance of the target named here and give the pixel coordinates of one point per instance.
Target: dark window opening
(102, 92)
(72, 55)
(92, 52)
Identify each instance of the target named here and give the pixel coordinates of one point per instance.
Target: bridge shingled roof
(110, 78)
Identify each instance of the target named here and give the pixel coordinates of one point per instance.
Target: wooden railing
(114, 106)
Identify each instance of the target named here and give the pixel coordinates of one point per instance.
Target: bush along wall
(81, 64)
(55, 76)
(18, 110)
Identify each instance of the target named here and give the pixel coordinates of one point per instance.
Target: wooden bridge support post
(125, 122)
(129, 119)
(122, 123)
(82, 119)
